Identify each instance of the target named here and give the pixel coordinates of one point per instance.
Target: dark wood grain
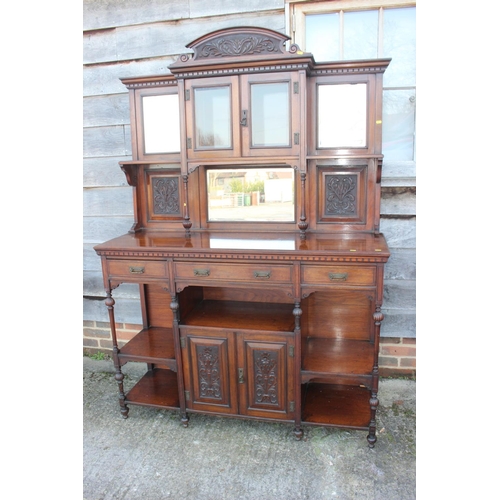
(157, 388)
(338, 405)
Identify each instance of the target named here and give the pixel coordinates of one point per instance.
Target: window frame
(296, 11)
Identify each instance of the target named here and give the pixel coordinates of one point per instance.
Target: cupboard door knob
(337, 276)
(201, 272)
(136, 270)
(262, 274)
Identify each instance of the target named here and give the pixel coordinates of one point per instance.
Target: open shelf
(151, 345)
(336, 405)
(242, 315)
(324, 357)
(158, 387)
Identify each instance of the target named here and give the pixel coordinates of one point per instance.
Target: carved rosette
(208, 372)
(166, 195)
(266, 378)
(340, 195)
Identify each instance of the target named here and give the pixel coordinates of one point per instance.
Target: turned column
(174, 305)
(372, 438)
(297, 312)
(110, 302)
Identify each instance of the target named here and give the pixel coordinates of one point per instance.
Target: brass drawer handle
(262, 274)
(136, 270)
(337, 276)
(201, 272)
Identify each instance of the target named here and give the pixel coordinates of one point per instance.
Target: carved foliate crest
(238, 42)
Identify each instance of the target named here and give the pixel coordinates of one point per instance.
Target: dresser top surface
(244, 244)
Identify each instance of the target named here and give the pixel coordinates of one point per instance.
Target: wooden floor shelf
(323, 356)
(158, 387)
(151, 345)
(336, 405)
(242, 315)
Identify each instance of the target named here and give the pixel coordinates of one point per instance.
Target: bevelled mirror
(342, 115)
(251, 194)
(160, 115)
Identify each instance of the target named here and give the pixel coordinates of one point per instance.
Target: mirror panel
(212, 115)
(160, 114)
(270, 114)
(264, 194)
(342, 115)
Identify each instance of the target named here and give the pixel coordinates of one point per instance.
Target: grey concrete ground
(151, 456)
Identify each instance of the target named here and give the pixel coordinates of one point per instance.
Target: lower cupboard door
(266, 377)
(207, 363)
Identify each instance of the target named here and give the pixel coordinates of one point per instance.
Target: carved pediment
(233, 50)
(234, 42)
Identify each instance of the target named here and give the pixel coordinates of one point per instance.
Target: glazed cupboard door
(241, 116)
(270, 111)
(212, 117)
(265, 375)
(207, 359)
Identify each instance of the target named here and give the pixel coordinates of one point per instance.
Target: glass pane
(322, 36)
(398, 124)
(270, 115)
(400, 44)
(251, 194)
(360, 34)
(342, 116)
(212, 117)
(160, 114)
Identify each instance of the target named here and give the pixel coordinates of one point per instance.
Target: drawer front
(137, 269)
(250, 273)
(339, 275)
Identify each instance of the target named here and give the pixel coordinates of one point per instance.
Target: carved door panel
(265, 367)
(208, 358)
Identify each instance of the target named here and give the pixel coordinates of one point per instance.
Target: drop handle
(241, 379)
(136, 270)
(337, 276)
(262, 274)
(201, 272)
(244, 116)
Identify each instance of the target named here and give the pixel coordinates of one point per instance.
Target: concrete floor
(151, 456)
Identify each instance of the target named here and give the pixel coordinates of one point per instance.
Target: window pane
(322, 36)
(398, 124)
(213, 117)
(360, 34)
(400, 44)
(342, 116)
(160, 114)
(270, 114)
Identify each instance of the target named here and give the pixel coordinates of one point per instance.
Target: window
(343, 30)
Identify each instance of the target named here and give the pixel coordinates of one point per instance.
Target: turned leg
(372, 438)
(298, 433)
(110, 302)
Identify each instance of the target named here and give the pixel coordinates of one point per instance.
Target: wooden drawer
(339, 275)
(251, 273)
(138, 269)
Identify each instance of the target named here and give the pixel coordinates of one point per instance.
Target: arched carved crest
(235, 42)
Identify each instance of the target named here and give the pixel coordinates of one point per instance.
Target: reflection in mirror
(161, 124)
(270, 114)
(342, 115)
(251, 194)
(213, 117)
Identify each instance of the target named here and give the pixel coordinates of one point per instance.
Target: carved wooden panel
(164, 195)
(342, 194)
(238, 42)
(208, 362)
(265, 363)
